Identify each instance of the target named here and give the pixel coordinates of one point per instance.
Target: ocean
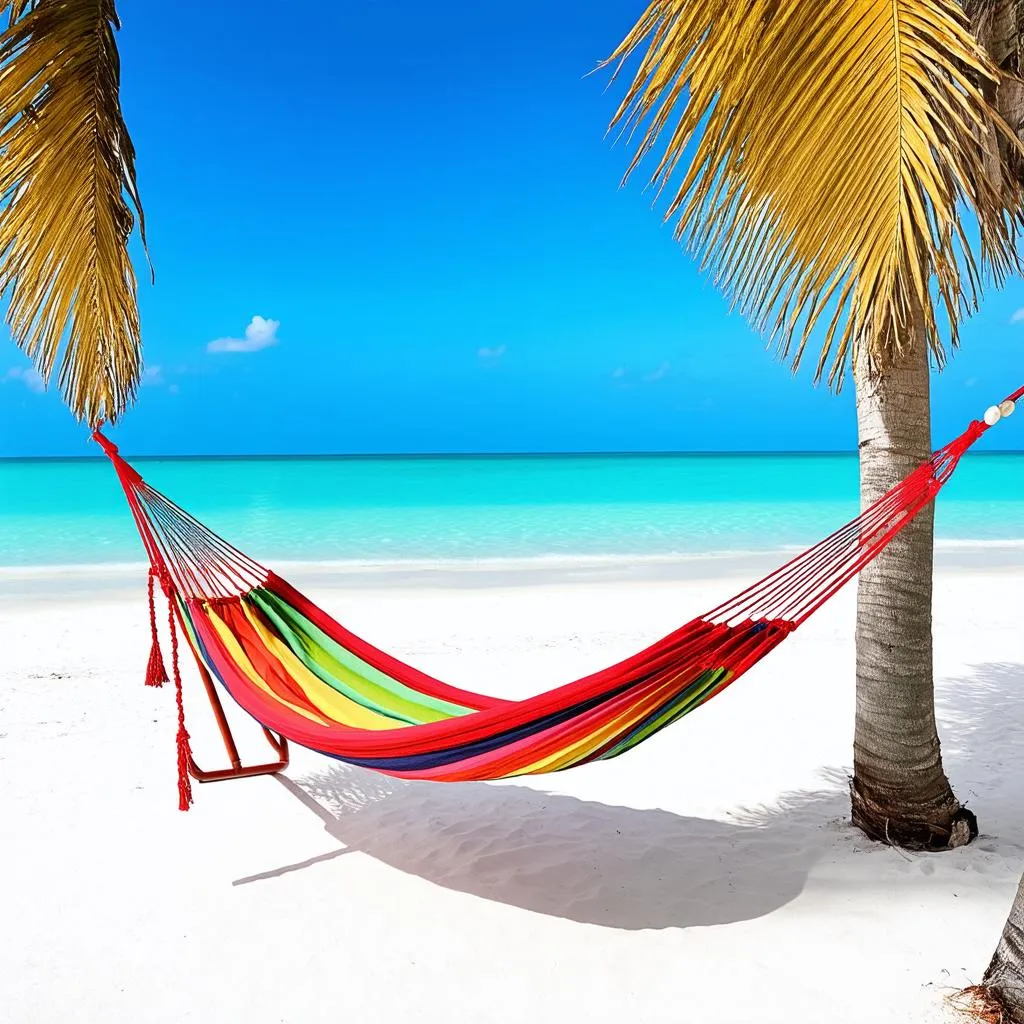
(393, 509)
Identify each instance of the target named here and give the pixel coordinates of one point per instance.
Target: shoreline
(45, 582)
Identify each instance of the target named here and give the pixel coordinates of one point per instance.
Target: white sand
(708, 876)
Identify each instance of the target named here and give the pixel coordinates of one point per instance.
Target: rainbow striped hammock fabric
(302, 675)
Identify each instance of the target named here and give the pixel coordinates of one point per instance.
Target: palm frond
(823, 153)
(67, 177)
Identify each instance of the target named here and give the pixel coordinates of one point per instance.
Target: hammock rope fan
(305, 678)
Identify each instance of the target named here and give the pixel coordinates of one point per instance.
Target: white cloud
(158, 377)
(1017, 317)
(28, 376)
(261, 333)
(492, 353)
(626, 379)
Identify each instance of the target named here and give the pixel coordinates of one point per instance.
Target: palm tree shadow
(981, 721)
(981, 709)
(557, 855)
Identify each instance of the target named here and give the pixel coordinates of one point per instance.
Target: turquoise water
(70, 512)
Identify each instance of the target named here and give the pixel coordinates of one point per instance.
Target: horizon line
(325, 456)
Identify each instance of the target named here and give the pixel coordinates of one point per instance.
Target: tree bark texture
(900, 794)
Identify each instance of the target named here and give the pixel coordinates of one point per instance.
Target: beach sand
(709, 875)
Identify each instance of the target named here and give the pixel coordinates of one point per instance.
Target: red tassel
(184, 781)
(156, 671)
(184, 750)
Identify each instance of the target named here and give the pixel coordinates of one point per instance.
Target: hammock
(306, 678)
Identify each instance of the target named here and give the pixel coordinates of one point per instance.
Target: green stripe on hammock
(686, 702)
(347, 673)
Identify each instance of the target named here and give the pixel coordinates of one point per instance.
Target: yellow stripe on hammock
(241, 659)
(588, 744)
(336, 706)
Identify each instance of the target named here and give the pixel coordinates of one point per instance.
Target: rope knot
(166, 583)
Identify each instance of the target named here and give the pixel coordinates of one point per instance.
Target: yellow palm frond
(825, 152)
(67, 176)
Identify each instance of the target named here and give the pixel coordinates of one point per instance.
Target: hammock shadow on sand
(627, 868)
(557, 855)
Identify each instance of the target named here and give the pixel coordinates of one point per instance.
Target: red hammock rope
(184, 751)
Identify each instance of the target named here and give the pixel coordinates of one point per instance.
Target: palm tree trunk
(1004, 979)
(899, 790)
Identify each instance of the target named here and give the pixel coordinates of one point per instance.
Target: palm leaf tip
(70, 200)
(819, 157)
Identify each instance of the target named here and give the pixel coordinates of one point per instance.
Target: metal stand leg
(237, 769)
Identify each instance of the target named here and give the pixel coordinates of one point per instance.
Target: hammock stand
(237, 769)
(303, 677)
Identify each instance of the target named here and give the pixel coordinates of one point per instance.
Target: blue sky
(419, 205)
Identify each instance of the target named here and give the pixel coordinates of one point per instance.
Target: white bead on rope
(1007, 407)
(993, 414)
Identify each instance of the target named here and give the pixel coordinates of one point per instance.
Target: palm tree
(829, 148)
(819, 156)
(1002, 990)
(67, 178)
(999, 25)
